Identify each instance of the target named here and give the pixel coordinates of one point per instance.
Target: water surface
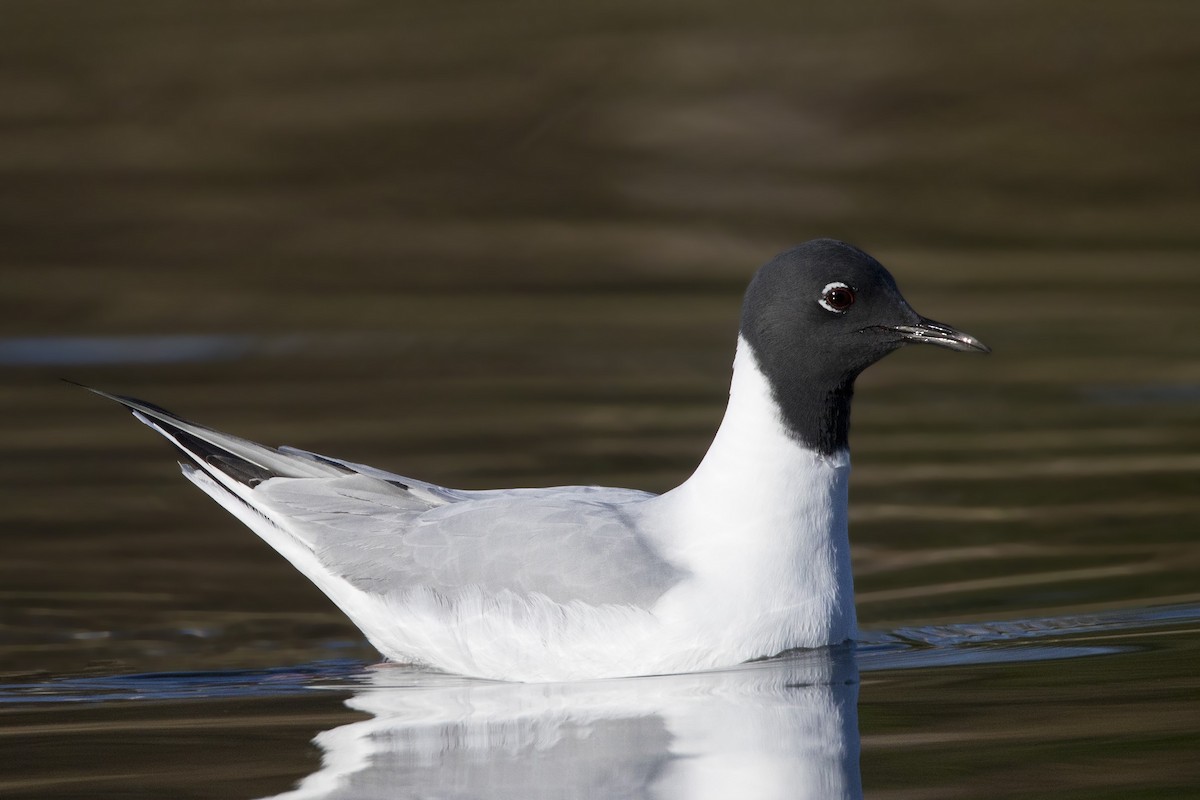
(497, 247)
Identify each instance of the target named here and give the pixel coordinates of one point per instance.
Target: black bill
(929, 332)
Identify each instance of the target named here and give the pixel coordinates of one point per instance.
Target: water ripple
(1014, 641)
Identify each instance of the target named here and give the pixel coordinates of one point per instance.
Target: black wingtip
(194, 449)
(132, 403)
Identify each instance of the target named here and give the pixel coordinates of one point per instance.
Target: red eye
(837, 297)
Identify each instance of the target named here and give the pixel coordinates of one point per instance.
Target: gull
(747, 558)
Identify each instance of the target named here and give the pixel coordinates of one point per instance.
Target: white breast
(761, 527)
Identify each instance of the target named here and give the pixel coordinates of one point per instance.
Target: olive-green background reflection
(495, 244)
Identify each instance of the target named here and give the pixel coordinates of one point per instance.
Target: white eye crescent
(837, 297)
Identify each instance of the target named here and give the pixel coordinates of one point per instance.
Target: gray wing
(384, 532)
(568, 543)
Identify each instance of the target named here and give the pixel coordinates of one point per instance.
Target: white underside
(758, 532)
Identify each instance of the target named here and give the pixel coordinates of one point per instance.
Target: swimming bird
(747, 558)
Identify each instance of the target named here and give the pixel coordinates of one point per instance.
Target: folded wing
(344, 523)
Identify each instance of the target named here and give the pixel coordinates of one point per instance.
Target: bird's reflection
(786, 727)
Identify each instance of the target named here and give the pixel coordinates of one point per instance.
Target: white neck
(752, 450)
(763, 519)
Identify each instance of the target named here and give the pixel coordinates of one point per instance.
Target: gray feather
(568, 543)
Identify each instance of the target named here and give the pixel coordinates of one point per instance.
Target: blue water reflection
(160, 686)
(106, 350)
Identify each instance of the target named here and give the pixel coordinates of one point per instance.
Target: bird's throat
(819, 418)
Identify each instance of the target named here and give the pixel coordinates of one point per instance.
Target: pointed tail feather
(241, 460)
